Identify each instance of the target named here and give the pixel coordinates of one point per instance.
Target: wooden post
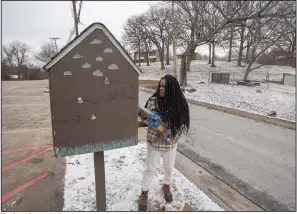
(100, 181)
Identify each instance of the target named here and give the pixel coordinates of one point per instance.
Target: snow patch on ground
(246, 99)
(200, 70)
(272, 98)
(123, 173)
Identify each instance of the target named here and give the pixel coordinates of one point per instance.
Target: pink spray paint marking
(24, 186)
(25, 149)
(25, 159)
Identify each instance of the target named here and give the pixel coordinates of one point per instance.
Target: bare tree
(184, 39)
(227, 40)
(191, 19)
(4, 70)
(17, 54)
(157, 28)
(146, 41)
(247, 8)
(241, 33)
(219, 41)
(47, 51)
(230, 43)
(209, 53)
(228, 35)
(147, 47)
(191, 53)
(264, 34)
(264, 10)
(213, 53)
(168, 37)
(287, 43)
(133, 34)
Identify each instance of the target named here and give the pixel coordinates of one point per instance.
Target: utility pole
(75, 17)
(55, 39)
(174, 41)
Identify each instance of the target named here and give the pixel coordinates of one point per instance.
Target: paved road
(256, 159)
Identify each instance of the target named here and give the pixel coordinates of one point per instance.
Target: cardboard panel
(94, 98)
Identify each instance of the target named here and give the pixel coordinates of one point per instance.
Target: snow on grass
(276, 98)
(123, 173)
(246, 99)
(200, 70)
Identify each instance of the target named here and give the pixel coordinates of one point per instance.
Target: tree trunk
(147, 58)
(19, 72)
(183, 73)
(253, 59)
(188, 62)
(147, 53)
(293, 60)
(246, 59)
(162, 58)
(139, 55)
(230, 45)
(167, 55)
(209, 54)
(213, 55)
(189, 59)
(247, 71)
(241, 44)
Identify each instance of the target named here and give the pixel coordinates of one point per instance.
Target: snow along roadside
(123, 174)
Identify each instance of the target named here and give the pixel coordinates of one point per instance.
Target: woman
(173, 108)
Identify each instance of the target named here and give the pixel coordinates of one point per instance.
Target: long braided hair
(173, 108)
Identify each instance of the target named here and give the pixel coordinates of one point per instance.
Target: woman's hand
(142, 115)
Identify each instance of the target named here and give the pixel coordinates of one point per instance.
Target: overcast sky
(33, 22)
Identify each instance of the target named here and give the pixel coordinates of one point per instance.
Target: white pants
(153, 157)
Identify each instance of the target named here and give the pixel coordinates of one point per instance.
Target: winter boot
(167, 193)
(142, 203)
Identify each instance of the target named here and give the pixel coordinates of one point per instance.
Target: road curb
(255, 117)
(220, 192)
